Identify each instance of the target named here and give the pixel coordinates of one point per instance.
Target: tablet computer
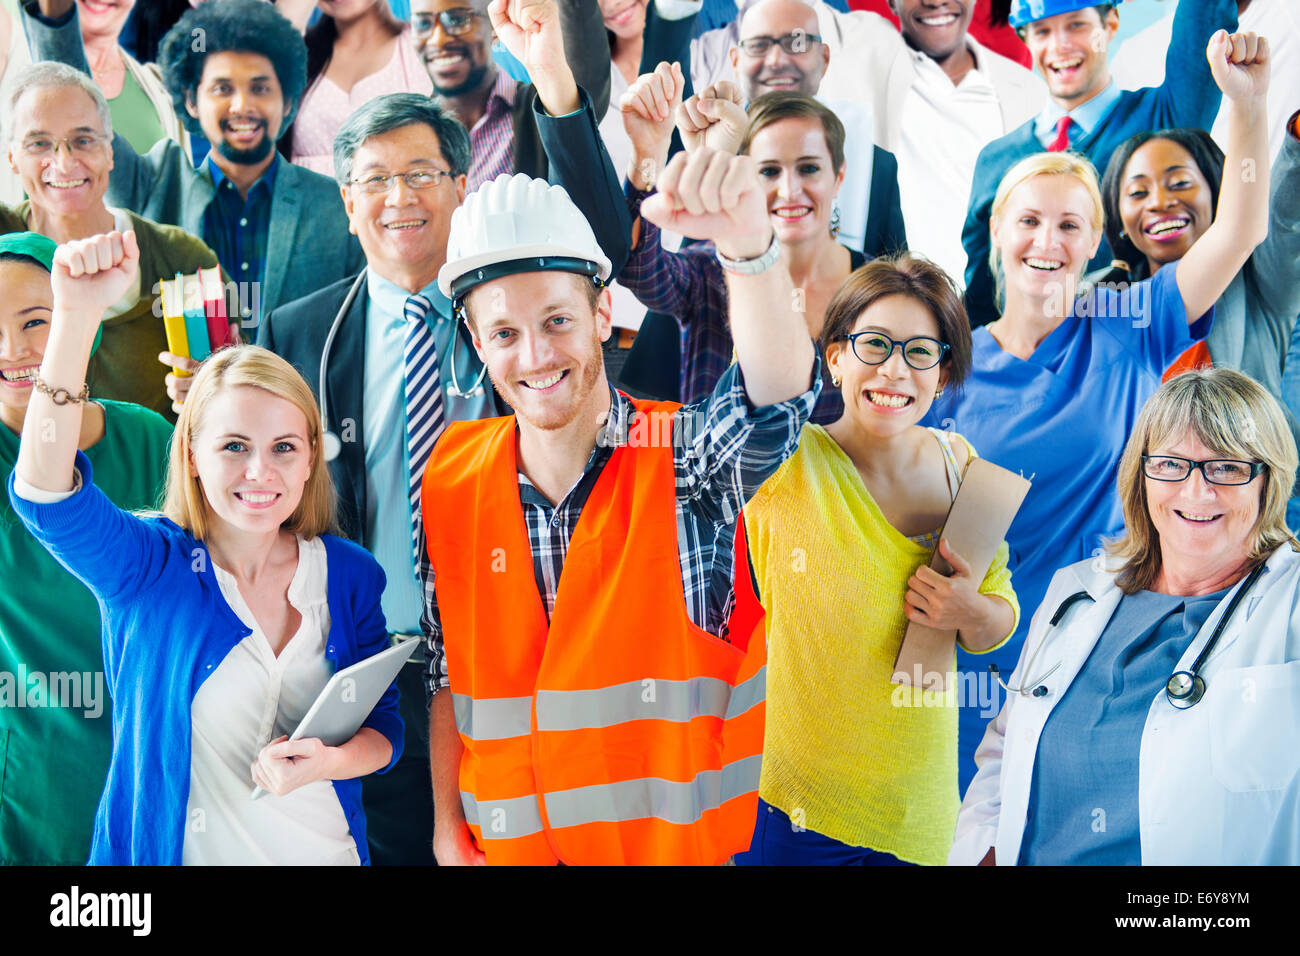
(347, 700)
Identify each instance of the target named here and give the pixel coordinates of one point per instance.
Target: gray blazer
(308, 246)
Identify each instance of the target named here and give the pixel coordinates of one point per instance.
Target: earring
(836, 381)
(835, 219)
(938, 391)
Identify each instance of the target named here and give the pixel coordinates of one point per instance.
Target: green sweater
(125, 367)
(55, 714)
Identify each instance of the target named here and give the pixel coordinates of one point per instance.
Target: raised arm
(715, 195)
(1276, 261)
(89, 276)
(1240, 66)
(1189, 96)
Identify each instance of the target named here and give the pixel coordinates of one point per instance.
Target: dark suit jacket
(297, 331)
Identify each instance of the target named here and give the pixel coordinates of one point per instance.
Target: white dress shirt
(944, 128)
(249, 700)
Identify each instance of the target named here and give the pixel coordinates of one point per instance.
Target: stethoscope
(1184, 689)
(331, 445)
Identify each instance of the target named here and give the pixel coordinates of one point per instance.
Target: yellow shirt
(846, 753)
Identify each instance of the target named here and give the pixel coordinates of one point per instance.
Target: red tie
(1062, 141)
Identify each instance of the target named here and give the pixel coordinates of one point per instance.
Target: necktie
(1062, 141)
(424, 412)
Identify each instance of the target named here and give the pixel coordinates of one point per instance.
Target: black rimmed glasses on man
(792, 43)
(455, 23)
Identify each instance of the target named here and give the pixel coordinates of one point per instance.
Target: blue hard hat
(1027, 11)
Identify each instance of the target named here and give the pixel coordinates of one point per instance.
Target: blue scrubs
(1083, 802)
(1061, 417)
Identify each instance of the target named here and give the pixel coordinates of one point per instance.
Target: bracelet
(61, 396)
(752, 267)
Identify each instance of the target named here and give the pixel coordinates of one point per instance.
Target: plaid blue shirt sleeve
(690, 286)
(435, 661)
(725, 448)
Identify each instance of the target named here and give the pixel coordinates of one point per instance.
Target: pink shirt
(325, 106)
(492, 140)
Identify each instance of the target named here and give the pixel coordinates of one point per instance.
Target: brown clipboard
(977, 522)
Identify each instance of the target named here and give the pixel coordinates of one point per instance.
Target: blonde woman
(1167, 709)
(1058, 379)
(224, 616)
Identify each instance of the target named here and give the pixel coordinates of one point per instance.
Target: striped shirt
(722, 451)
(492, 140)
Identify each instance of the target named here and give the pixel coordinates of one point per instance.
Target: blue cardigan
(1188, 97)
(166, 628)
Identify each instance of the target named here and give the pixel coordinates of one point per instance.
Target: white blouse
(249, 700)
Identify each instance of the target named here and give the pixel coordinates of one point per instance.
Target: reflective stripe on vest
(504, 717)
(617, 730)
(673, 801)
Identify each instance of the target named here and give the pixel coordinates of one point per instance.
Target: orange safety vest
(621, 733)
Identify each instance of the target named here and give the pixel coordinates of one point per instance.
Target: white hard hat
(517, 224)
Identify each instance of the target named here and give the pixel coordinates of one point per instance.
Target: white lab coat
(1218, 783)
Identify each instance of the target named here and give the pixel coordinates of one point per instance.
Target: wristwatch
(752, 267)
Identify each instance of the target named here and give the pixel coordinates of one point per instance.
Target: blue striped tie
(424, 412)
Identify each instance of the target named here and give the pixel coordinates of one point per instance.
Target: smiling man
(596, 651)
(454, 39)
(399, 366)
(59, 134)
(235, 70)
(1069, 41)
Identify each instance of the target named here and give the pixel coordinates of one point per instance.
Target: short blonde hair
(1231, 414)
(1043, 164)
(250, 366)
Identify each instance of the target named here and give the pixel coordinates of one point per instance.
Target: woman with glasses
(356, 51)
(857, 770)
(1059, 378)
(1154, 715)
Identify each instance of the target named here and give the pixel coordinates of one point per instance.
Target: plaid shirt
(492, 140)
(722, 451)
(691, 286)
(238, 229)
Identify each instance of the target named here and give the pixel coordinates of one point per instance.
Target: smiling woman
(356, 51)
(231, 606)
(1058, 379)
(1178, 696)
(49, 621)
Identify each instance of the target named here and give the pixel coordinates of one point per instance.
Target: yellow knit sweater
(846, 753)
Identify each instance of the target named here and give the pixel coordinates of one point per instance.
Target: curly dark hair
(232, 26)
(1207, 155)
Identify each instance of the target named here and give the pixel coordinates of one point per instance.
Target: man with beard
(454, 38)
(235, 70)
(595, 645)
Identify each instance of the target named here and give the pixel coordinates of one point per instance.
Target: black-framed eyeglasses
(455, 23)
(792, 43)
(920, 351)
(1217, 471)
(416, 179)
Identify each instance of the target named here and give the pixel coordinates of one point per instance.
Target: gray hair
(48, 75)
(383, 114)
(1235, 417)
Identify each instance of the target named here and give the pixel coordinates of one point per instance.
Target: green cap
(40, 250)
